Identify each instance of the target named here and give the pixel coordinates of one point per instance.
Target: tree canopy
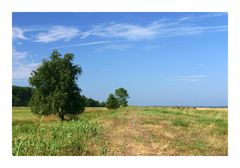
(122, 96)
(55, 86)
(112, 102)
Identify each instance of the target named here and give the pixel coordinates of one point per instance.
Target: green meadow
(126, 131)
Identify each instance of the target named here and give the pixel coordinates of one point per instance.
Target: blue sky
(160, 58)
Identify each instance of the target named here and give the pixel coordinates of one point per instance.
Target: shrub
(112, 102)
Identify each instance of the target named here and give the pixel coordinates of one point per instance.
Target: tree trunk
(61, 115)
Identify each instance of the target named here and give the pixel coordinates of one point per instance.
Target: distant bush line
(22, 95)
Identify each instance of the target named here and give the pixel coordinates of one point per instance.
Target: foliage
(55, 87)
(21, 95)
(89, 102)
(122, 96)
(102, 104)
(55, 138)
(112, 102)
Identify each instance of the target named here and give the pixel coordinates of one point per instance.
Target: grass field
(125, 131)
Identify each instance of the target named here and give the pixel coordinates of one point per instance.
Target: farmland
(134, 130)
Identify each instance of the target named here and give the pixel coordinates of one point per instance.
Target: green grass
(179, 122)
(57, 138)
(126, 131)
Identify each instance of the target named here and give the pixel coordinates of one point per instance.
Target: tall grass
(80, 137)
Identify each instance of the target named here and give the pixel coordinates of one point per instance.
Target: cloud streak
(87, 44)
(204, 16)
(164, 28)
(124, 31)
(56, 33)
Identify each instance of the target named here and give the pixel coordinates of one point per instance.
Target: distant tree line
(21, 96)
(89, 102)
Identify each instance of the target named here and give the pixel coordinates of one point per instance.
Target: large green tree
(55, 86)
(112, 102)
(122, 96)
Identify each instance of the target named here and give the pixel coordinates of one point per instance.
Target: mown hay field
(130, 131)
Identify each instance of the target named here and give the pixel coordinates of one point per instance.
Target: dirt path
(127, 136)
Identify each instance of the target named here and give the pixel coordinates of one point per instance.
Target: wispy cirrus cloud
(22, 65)
(45, 34)
(56, 33)
(22, 71)
(87, 44)
(19, 54)
(123, 30)
(156, 29)
(204, 16)
(163, 28)
(18, 33)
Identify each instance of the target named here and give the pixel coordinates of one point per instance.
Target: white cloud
(18, 33)
(204, 16)
(214, 14)
(56, 33)
(22, 66)
(86, 44)
(184, 18)
(157, 29)
(125, 31)
(19, 54)
(22, 71)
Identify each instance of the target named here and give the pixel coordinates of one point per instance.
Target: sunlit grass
(124, 131)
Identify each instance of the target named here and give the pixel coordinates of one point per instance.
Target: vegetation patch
(80, 137)
(179, 122)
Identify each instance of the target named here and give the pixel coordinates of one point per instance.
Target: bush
(112, 102)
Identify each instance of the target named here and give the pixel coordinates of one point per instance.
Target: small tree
(112, 102)
(122, 96)
(56, 90)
